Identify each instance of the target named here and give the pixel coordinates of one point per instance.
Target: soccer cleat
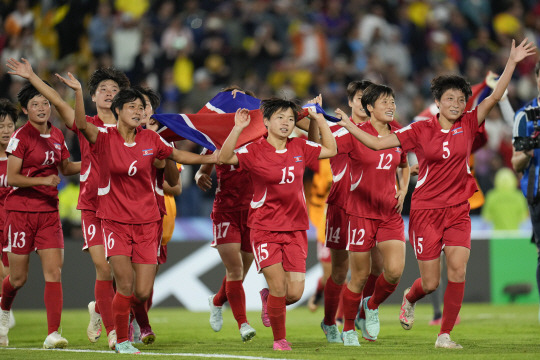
(372, 323)
(112, 339)
(4, 327)
(443, 341)
(131, 329)
(126, 348)
(147, 336)
(406, 314)
(216, 314)
(247, 332)
(55, 341)
(350, 338)
(282, 345)
(264, 312)
(331, 332)
(361, 325)
(136, 333)
(94, 327)
(11, 319)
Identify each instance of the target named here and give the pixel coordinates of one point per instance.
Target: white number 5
(446, 150)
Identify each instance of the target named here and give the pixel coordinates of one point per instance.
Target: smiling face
(358, 111)
(281, 123)
(131, 113)
(452, 104)
(105, 92)
(7, 127)
(383, 109)
(38, 110)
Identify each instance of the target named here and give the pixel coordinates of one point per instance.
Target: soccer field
(486, 332)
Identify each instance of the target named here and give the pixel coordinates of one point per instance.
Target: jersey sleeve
(17, 146)
(471, 119)
(312, 150)
(408, 136)
(164, 149)
(101, 139)
(245, 157)
(65, 152)
(344, 141)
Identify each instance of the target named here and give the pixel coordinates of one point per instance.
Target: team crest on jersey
(398, 150)
(147, 152)
(57, 146)
(458, 130)
(297, 158)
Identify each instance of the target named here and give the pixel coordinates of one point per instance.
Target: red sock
(8, 294)
(369, 287)
(237, 301)
(141, 314)
(121, 306)
(104, 293)
(351, 301)
(54, 301)
(383, 289)
(276, 313)
(416, 292)
(453, 298)
(332, 295)
(149, 301)
(221, 296)
(340, 314)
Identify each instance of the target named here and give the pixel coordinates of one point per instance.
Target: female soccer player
(278, 216)
(130, 223)
(439, 216)
(36, 152)
(103, 85)
(374, 216)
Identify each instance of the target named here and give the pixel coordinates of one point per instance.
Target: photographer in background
(526, 160)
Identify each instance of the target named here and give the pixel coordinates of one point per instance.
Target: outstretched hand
(523, 50)
(242, 118)
(22, 69)
(345, 120)
(71, 81)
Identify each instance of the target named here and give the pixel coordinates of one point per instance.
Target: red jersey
(444, 177)
(126, 184)
(4, 190)
(89, 177)
(373, 178)
(40, 154)
(340, 166)
(278, 203)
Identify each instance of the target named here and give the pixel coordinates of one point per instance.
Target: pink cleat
(264, 313)
(282, 345)
(147, 336)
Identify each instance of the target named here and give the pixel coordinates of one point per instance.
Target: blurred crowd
(191, 49)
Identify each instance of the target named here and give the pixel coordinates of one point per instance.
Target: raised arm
(89, 130)
(328, 143)
(202, 177)
(372, 142)
(16, 179)
(24, 69)
(517, 54)
(241, 121)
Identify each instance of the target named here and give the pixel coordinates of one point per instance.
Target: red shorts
(231, 227)
(336, 227)
(91, 227)
(162, 254)
(364, 233)
(138, 241)
(286, 247)
(323, 253)
(31, 231)
(430, 230)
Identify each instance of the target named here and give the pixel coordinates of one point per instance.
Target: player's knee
(142, 295)
(292, 298)
(430, 286)
(103, 271)
(339, 276)
(18, 281)
(393, 274)
(235, 274)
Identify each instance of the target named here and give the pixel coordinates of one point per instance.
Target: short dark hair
(103, 74)
(152, 95)
(537, 68)
(270, 106)
(373, 93)
(355, 86)
(441, 84)
(123, 97)
(236, 87)
(7, 108)
(27, 92)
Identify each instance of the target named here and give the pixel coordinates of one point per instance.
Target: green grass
(486, 332)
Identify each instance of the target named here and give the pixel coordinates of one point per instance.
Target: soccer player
(278, 216)
(103, 85)
(36, 152)
(127, 203)
(374, 217)
(8, 118)
(439, 217)
(231, 238)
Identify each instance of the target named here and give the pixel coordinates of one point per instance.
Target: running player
(439, 217)
(8, 118)
(36, 152)
(130, 224)
(374, 216)
(278, 216)
(103, 85)
(231, 238)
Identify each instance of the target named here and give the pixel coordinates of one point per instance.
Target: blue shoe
(373, 326)
(331, 332)
(361, 325)
(350, 338)
(126, 348)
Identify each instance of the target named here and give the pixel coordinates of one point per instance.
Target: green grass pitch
(486, 332)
